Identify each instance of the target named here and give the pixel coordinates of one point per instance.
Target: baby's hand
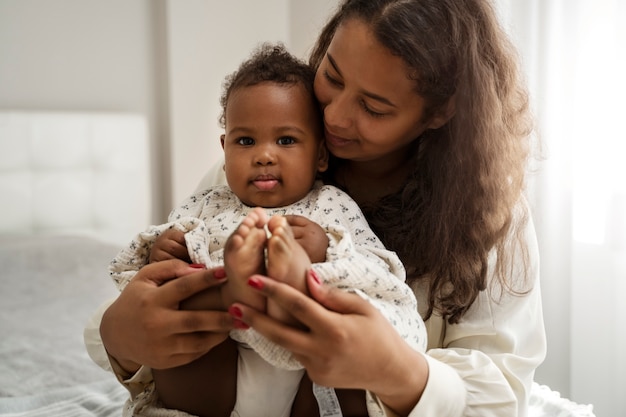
(170, 245)
(310, 236)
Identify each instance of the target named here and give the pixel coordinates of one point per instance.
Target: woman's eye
(245, 141)
(286, 140)
(331, 79)
(370, 111)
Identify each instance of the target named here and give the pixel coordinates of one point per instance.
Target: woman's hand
(310, 236)
(349, 344)
(170, 245)
(144, 325)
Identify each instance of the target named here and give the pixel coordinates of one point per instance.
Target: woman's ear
(222, 137)
(443, 115)
(322, 157)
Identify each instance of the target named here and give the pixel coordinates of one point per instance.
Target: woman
(428, 122)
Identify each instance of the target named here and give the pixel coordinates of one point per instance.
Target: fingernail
(197, 266)
(235, 312)
(240, 325)
(255, 282)
(219, 273)
(315, 277)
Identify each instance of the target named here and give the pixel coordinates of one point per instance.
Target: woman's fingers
(337, 300)
(321, 321)
(178, 280)
(197, 322)
(293, 339)
(299, 305)
(306, 310)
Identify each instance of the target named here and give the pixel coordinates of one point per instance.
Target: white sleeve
(135, 383)
(484, 365)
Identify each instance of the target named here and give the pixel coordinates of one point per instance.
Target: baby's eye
(286, 140)
(245, 141)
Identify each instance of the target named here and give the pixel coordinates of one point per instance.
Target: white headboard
(74, 173)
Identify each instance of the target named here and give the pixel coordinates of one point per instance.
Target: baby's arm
(170, 245)
(310, 235)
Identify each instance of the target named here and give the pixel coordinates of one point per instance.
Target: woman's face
(371, 109)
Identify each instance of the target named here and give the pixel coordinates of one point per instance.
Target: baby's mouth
(265, 182)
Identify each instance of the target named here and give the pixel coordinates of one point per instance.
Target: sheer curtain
(574, 54)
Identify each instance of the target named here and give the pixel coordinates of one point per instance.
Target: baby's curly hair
(268, 63)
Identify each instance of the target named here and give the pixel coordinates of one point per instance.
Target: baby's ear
(443, 115)
(322, 157)
(222, 137)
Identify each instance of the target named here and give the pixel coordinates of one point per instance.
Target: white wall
(165, 59)
(521, 20)
(81, 55)
(207, 40)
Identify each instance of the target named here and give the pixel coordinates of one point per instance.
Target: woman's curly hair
(467, 176)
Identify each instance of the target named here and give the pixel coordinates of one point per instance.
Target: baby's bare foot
(244, 255)
(287, 262)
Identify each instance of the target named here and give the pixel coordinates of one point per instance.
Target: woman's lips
(337, 141)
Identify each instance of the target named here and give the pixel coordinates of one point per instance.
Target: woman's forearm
(108, 336)
(405, 382)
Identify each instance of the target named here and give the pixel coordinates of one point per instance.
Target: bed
(74, 187)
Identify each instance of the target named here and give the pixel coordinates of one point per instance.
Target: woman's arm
(144, 326)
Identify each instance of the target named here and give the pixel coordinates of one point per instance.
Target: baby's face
(273, 144)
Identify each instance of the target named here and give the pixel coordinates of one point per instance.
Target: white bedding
(70, 182)
(50, 286)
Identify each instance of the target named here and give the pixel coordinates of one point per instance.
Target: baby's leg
(287, 262)
(204, 387)
(351, 401)
(244, 255)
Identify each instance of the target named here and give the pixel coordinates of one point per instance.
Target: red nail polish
(315, 277)
(235, 312)
(240, 325)
(255, 282)
(219, 273)
(197, 266)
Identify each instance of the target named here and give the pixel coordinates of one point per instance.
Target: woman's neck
(368, 181)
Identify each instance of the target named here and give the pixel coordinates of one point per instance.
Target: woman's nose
(337, 112)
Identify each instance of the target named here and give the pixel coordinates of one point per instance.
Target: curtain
(574, 57)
